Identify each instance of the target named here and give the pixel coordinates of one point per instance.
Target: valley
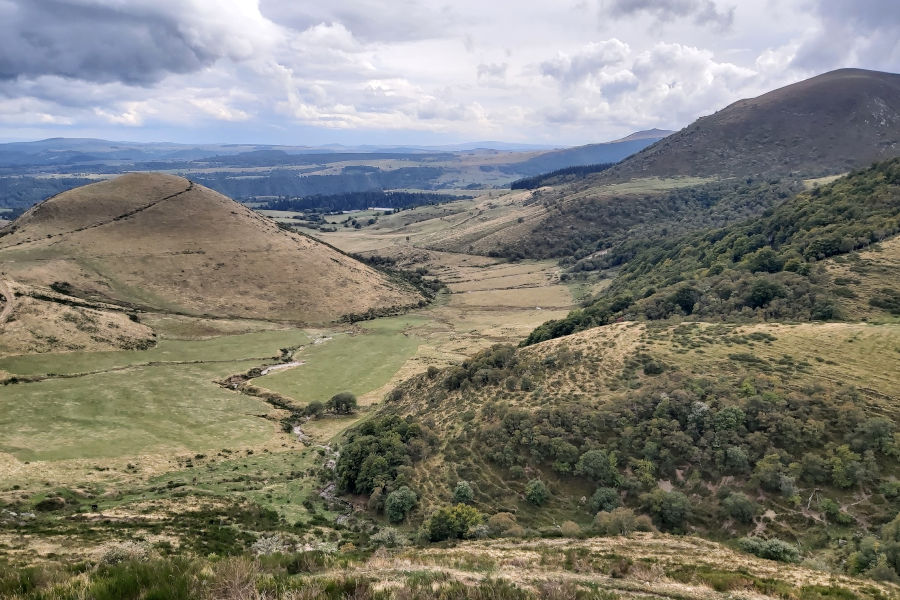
(668, 378)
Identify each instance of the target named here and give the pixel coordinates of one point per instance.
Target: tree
(536, 492)
(890, 540)
(399, 503)
(343, 403)
(686, 297)
(762, 292)
(462, 493)
(765, 259)
(314, 409)
(599, 466)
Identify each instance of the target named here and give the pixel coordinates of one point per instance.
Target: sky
(298, 72)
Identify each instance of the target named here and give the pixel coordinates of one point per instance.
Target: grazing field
(356, 362)
(146, 410)
(864, 276)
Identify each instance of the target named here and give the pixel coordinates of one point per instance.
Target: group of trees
(582, 221)
(342, 403)
(376, 460)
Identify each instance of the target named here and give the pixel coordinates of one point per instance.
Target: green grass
(274, 481)
(136, 411)
(224, 348)
(347, 363)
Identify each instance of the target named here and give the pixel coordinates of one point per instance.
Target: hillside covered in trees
(766, 267)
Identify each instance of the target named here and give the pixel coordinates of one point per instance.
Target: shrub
(268, 545)
(621, 521)
(463, 493)
(670, 510)
(124, 551)
(501, 522)
(399, 503)
(173, 579)
(772, 549)
(314, 409)
(570, 529)
(451, 522)
(389, 537)
(599, 466)
(536, 492)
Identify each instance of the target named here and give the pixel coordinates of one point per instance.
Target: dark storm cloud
(703, 12)
(861, 33)
(91, 41)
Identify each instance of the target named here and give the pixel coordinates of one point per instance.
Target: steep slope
(827, 124)
(160, 242)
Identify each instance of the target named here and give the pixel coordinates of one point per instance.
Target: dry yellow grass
(159, 242)
(860, 276)
(30, 324)
(652, 557)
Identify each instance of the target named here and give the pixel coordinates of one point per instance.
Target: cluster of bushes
(342, 403)
(420, 279)
(453, 522)
(773, 549)
(774, 437)
(488, 367)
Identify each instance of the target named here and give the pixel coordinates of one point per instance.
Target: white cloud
(463, 70)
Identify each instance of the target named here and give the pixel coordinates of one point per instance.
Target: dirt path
(9, 303)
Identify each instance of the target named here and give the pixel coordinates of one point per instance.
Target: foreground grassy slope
(642, 566)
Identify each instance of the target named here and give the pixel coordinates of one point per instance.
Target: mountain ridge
(827, 124)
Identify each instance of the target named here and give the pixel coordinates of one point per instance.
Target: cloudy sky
(400, 71)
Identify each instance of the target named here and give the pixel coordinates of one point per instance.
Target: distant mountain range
(86, 151)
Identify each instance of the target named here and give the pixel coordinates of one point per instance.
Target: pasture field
(865, 275)
(356, 362)
(136, 411)
(151, 436)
